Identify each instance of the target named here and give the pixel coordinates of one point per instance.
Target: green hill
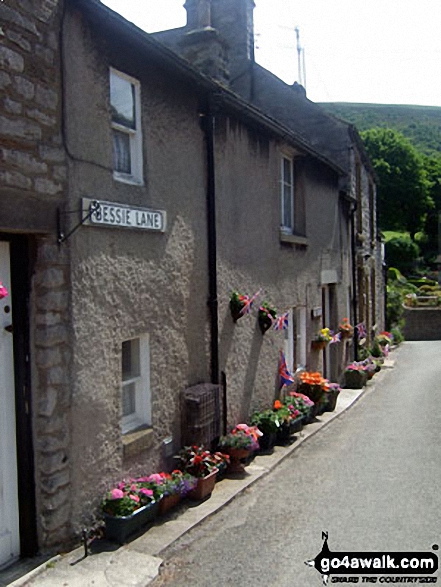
(420, 124)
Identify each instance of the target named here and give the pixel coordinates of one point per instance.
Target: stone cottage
(136, 193)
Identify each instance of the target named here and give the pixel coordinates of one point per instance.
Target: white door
(9, 530)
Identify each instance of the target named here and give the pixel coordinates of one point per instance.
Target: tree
(429, 244)
(403, 190)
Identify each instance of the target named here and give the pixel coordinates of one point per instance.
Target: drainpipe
(208, 122)
(354, 280)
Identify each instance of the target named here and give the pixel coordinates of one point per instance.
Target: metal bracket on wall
(94, 207)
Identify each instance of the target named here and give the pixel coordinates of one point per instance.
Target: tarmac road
(371, 480)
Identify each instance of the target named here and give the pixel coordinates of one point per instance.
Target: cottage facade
(136, 194)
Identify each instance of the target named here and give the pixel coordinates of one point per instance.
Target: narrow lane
(371, 480)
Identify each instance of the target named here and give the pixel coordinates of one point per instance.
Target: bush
(398, 335)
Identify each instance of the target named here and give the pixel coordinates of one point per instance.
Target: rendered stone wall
(252, 257)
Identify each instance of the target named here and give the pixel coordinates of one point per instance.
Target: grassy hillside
(420, 124)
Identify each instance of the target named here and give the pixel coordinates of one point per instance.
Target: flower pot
(237, 456)
(283, 434)
(267, 441)
(169, 502)
(120, 528)
(311, 415)
(345, 334)
(318, 345)
(265, 323)
(332, 401)
(355, 379)
(204, 487)
(314, 392)
(296, 425)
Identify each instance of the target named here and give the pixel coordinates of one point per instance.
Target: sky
(364, 51)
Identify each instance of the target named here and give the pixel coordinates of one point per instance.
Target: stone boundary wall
(422, 324)
(33, 178)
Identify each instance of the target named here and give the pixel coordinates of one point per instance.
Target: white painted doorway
(9, 524)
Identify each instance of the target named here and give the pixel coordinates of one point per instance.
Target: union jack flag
(285, 376)
(281, 322)
(361, 329)
(386, 350)
(248, 303)
(335, 338)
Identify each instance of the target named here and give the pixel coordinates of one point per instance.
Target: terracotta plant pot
(318, 345)
(237, 456)
(204, 487)
(169, 502)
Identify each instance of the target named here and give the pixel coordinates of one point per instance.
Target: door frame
(20, 262)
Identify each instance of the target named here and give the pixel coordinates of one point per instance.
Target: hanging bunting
(281, 322)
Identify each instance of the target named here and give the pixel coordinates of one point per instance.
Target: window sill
(293, 239)
(137, 441)
(127, 179)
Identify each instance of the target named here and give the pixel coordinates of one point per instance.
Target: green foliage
(267, 421)
(375, 350)
(403, 191)
(421, 125)
(401, 251)
(398, 335)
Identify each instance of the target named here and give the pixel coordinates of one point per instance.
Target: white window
(135, 386)
(125, 103)
(287, 195)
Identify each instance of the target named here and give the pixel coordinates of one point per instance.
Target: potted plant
(321, 339)
(345, 328)
(355, 376)
(304, 404)
(203, 465)
(267, 422)
(241, 304)
(312, 384)
(129, 507)
(237, 445)
(266, 316)
(172, 487)
(284, 417)
(332, 394)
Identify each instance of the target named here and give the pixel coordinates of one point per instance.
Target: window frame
(284, 228)
(135, 135)
(142, 415)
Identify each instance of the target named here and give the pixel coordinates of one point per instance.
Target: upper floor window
(125, 103)
(287, 195)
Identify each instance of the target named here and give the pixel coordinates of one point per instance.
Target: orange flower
(278, 404)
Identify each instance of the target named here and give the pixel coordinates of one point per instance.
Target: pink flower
(116, 494)
(156, 478)
(146, 492)
(3, 291)
(134, 497)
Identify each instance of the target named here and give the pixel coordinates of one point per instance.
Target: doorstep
(138, 562)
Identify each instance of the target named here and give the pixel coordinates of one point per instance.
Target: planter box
(355, 379)
(169, 502)
(204, 488)
(283, 434)
(267, 441)
(296, 425)
(120, 528)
